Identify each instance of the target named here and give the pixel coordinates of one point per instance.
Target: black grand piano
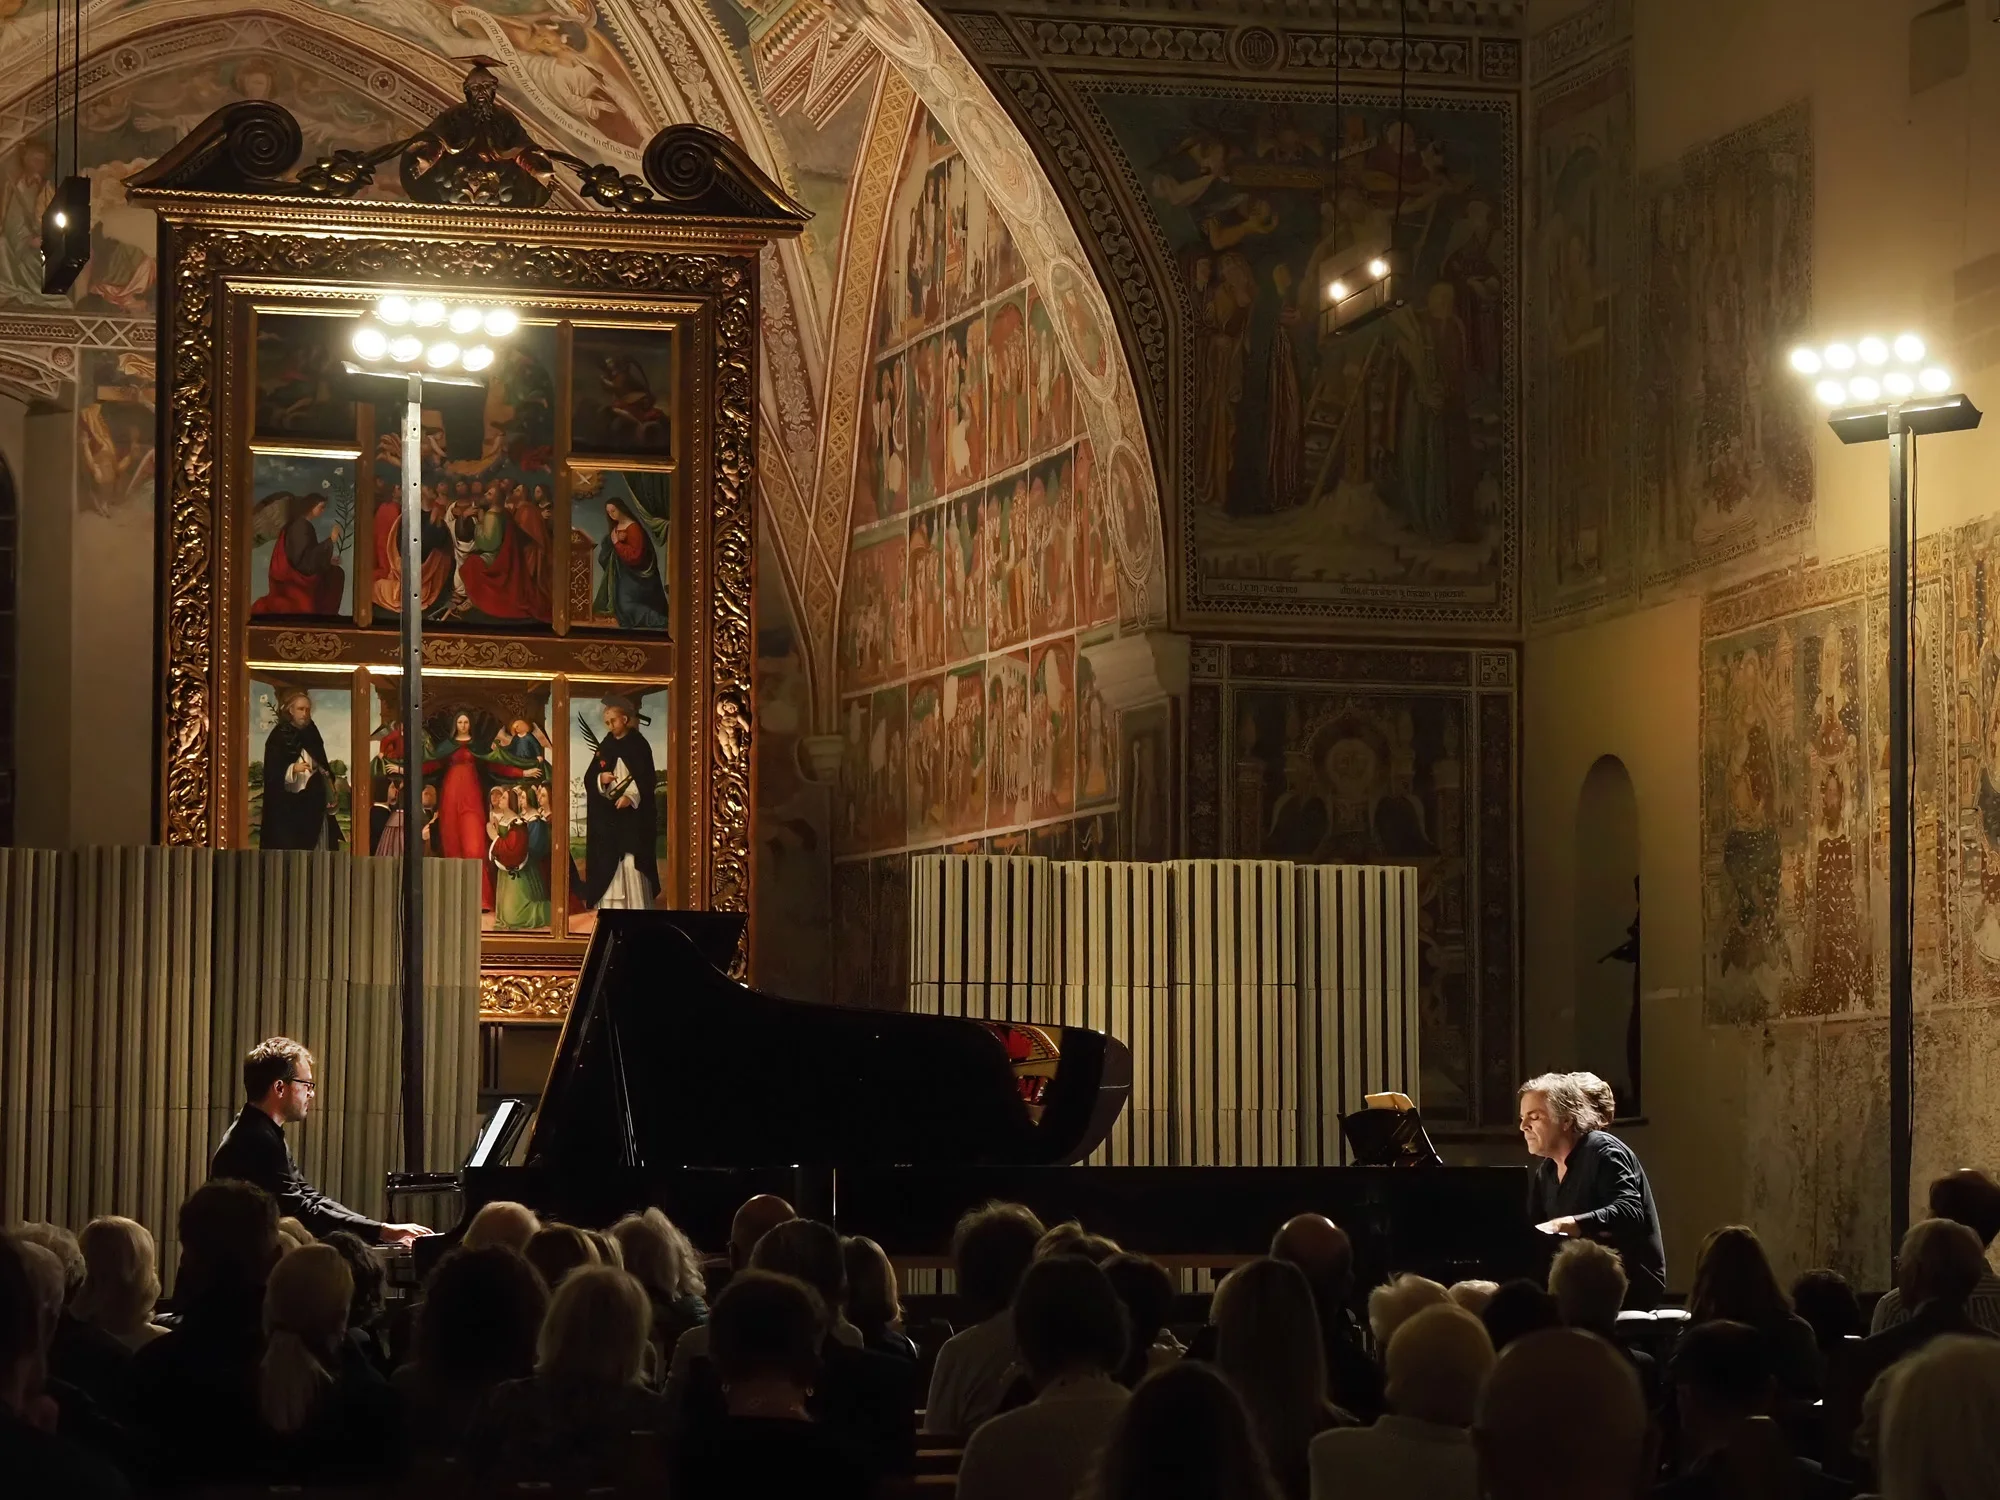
(675, 1085)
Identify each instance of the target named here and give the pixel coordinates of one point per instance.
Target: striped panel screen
(132, 981)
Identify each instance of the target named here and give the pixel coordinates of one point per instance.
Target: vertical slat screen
(132, 981)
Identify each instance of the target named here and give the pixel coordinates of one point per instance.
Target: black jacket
(1605, 1190)
(254, 1150)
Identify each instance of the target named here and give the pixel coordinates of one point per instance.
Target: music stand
(1389, 1133)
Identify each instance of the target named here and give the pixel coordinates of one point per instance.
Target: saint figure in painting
(462, 801)
(497, 572)
(1839, 975)
(629, 587)
(435, 540)
(385, 820)
(621, 815)
(298, 781)
(520, 891)
(305, 574)
(633, 418)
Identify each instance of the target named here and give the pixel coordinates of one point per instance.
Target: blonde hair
(508, 1225)
(1940, 1433)
(305, 1317)
(658, 1254)
(121, 1275)
(292, 1235)
(558, 1250)
(1436, 1365)
(1394, 1303)
(1588, 1282)
(1472, 1295)
(596, 1329)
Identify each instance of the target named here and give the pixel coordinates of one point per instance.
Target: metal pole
(412, 622)
(1902, 856)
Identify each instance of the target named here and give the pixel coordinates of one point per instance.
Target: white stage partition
(1261, 999)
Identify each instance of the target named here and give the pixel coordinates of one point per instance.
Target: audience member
(477, 1326)
(571, 1421)
(1071, 1238)
(63, 1245)
(663, 1260)
(1588, 1282)
(1973, 1199)
(990, 1249)
(81, 1356)
(198, 1384)
(758, 1216)
(1437, 1360)
(1562, 1415)
(1184, 1435)
(1147, 1291)
(365, 1328)
(81, 1418)
(327, 1413)
(764, 1337)
(1725, 1395)
(1397, 1301)
(1321, 1249)
(555, 1250)
(293, 1235)
(1472, 1295)
(873, 1306)
(121, 1280)
(1828, 1304)
(606, 1248)
(1072, 1334)
(1940, 1435)
(33, 1458)
(1518, 1309)
(509, 1225)
(1267, 1347)
(1733, 1280)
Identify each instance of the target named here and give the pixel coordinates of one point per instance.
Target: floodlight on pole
(410, 340)
(1876, 388)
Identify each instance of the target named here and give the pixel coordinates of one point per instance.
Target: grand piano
(675, 1085)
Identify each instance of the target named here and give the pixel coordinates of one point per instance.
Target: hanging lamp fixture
(66, 221)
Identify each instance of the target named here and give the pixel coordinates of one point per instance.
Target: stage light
(370, 342)
(427, 313)
(1897, 384)
(1864, 388)
(1872, 351)
(393, 310)
(61, 218)
(1378, 267)
(1806, 361)
(407, 349)
(1338, 291)
(1935, 379)
(1831, 393)
(1839, 357)
(500, 322)
(465, 319)
(477, 358)
(441, 356)
(1909, 348)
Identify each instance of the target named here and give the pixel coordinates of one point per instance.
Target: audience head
(1970, 1198)
(1472, 1295)
(292, 1235)
(756, 1218)
(509, 1225)
(121, 1275)
(1940, 1432)
(556, 1250)
(63, 1245)
(1067, 1320)
(278, 1078)
(659, 1255)
(1320, 1248)
(1826, 1300)
(46, 1283)
(1436, 1363)
(20, 1329)
(1733, 1279)
(1588, 1282)
(1071, 1238)
(305, 1317)
(1722, 1376)
(1940, 1261)
(763, 1335)
(808, 1251)
(990, 1248)
(1396, 1301)
(1562, 1414)
(872, 1303)
(477, 1324)
(596, 1330)
(1518, 1309)
(229, 1239)
(1555, 1109)
(365, 1308)
(1267, 1346)
(608, 1252)
(1184, 1436)
(1147, 1291)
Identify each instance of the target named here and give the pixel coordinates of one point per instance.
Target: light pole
(411, 340)
(1876, 388)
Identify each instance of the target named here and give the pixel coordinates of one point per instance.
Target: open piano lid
(665, 1061)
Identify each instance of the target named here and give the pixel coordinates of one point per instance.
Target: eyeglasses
(303, 1083)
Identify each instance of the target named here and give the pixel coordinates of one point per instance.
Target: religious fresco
(114, 428)
(620, 553)
(1724, 461)
(622, 393)
(298, 759)
(1370, 474)
(1580, 318)
(1403, 756)
(301, 536)
(301, 392)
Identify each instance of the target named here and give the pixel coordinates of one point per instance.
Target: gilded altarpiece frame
(231, 253)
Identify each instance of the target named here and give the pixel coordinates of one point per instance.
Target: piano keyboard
(1260, 999)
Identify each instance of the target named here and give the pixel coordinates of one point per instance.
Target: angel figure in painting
(629, 587)
(621, 818)
(298, 781)
(305, 576)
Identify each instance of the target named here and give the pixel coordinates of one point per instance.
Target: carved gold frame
(222, 253)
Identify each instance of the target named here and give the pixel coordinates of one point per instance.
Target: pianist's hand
(1564, 1227)
(402, 1234)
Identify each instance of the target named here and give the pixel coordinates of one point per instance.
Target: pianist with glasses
(278, 1084)
(1588, 1184)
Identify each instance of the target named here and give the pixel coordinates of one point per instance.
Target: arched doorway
(1607, 1036)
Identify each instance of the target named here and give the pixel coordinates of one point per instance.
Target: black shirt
(253, 1150)
(1605, 1190)
(767, 1458)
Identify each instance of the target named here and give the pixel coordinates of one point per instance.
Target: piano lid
(665, 1061)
